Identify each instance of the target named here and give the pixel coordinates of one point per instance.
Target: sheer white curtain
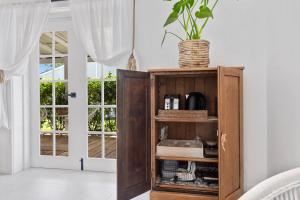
(104, 28)
(21, 23)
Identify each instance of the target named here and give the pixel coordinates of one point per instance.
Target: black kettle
(195, 101)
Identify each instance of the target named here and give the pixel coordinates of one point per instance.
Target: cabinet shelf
(203, 160)
(211, 119)
(184, 116)
(187, 187)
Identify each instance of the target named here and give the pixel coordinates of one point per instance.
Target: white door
(74, 105)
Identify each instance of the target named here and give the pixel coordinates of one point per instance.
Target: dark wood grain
(133, 141)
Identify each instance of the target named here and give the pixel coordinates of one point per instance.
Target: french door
(74, 105)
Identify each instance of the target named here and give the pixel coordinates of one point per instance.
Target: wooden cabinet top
(177, 69)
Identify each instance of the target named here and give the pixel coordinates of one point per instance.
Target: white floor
(50, 184)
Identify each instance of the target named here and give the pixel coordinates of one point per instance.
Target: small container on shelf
(167, 102)
(211, 149)
(172, 102)
(195, 101)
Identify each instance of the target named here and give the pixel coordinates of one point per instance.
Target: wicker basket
(193, 53)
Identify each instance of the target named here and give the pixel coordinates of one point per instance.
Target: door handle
(72, 95)
(223, 141)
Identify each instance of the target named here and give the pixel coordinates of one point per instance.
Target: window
(53, 89)
(101, 110)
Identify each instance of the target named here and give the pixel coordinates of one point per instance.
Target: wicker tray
(180, 148)
(183, 115)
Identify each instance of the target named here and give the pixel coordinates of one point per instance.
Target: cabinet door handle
(223, 141)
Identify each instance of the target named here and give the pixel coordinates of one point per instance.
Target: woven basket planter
(193, 53)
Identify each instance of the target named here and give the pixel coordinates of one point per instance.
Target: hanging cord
(132, 61)
(2, 77)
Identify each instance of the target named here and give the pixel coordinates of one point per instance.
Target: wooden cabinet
(140, 96)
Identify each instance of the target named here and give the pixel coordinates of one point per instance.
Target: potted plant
(192, 16)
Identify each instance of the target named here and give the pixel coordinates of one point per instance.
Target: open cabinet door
(134, 140)
(230, 133)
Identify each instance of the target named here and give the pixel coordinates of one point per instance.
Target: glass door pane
(102, 129)
(54, 124)
(95, 145)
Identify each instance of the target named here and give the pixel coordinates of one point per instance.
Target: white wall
(17, 133)
(11, 141)
(283, 86)
(237, 38)
(27, 113)
(5, 151)
(5, 147)
(5, 141)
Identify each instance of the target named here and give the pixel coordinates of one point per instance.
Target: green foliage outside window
(46, 93)
(110, 92)
(110, 124)
(94, 123)
(60, 93)
(46, 123)
(94, 98)
(94, 90)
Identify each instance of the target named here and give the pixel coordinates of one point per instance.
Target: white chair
(284, 186)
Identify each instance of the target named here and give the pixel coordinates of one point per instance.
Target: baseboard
(5, 171)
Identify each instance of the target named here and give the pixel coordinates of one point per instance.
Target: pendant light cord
(132, 61)
(133, 27)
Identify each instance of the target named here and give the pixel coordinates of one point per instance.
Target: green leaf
(172, 18)
(204, 12)
(177, 7)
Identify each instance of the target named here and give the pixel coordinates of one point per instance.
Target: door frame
(78, 115)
